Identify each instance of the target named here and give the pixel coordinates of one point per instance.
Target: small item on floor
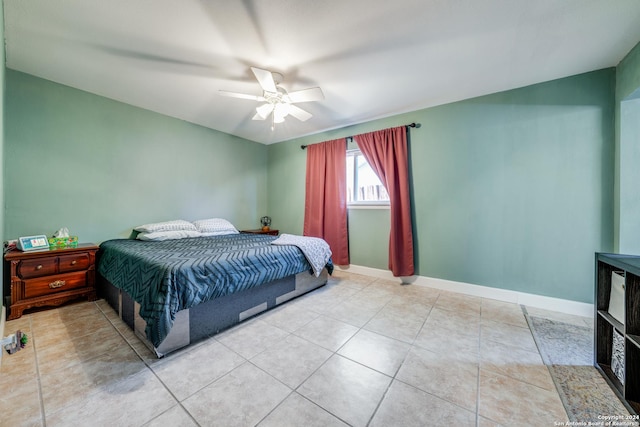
(15, 342)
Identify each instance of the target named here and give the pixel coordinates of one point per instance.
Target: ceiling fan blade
(307, 95)
(258, 117)
(265, 78)
(299, 113)
(241, 95)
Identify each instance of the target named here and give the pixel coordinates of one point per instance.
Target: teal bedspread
(172, 275)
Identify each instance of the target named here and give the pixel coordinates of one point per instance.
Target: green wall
(373, 250)
(513, 190)
(628, 74)
(100, 167)
(627, 202)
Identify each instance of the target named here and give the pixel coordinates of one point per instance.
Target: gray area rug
(567, 350)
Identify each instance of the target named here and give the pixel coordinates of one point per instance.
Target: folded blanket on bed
(316, 250)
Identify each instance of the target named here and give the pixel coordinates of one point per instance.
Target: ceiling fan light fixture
(264, 110)
(280, 111)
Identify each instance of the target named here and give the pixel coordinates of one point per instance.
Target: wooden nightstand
(271, 232)
(50, 277)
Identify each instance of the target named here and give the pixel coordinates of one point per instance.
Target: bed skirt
(211, 317)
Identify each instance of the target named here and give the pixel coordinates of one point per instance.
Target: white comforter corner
(315, 249)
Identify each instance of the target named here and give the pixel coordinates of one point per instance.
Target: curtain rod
(410, 125)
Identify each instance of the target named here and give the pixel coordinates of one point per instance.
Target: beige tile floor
(359, 351)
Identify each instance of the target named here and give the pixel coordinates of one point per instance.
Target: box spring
(211, 317)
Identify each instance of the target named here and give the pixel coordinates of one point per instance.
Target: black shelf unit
(605, 324)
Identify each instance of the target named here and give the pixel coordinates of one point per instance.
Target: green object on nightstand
(63, 242)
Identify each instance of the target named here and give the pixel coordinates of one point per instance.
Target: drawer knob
(57, 284)
(39, 267)
(74, 262)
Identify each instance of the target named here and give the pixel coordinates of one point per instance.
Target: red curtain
(325, 206)
(386, 152)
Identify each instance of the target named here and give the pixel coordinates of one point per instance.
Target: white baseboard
(532, 300)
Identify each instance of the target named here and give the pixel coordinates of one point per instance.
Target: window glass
(363, 185)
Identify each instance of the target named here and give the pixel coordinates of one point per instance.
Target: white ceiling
(372, 58)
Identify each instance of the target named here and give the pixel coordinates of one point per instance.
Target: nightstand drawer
(73, 262)
(52, 284)
(38, 267)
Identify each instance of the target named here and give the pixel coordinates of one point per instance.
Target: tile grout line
(413, 345)
(248, 360)
(545, 361)
(404, 359)
(293, 390)
(35, 357)
(333, 353)
(37, 363)
(148, 367)
(479, 363)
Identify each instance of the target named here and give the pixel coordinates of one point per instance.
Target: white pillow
(178, 224)
(168, 235)
(215, 225)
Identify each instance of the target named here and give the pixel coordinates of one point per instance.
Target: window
(363, 185)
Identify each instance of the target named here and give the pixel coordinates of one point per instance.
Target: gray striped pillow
(175, 225)
(215, 225)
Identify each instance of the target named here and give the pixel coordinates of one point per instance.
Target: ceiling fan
(277, 101)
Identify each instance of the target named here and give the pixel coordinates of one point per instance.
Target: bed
(175, 292)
